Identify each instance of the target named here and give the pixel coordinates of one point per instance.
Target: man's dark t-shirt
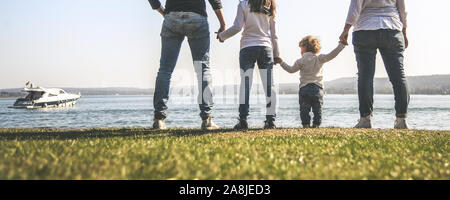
(197, 6)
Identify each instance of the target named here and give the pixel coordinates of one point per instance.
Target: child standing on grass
(311, 78)
(259, 44)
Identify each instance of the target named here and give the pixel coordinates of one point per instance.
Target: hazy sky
(109, 43)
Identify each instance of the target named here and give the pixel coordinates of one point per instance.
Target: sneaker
(208, 124)
(269, 124)
(364, 122)
(400, 123)
(241, 125)
(306, 126)
(159, 124)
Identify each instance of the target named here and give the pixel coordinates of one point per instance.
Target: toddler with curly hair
(311, 78)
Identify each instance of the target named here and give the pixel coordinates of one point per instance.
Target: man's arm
(219, 14)
(217, 7)
(156, 5)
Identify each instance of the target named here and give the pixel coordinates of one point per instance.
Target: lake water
(425, 112)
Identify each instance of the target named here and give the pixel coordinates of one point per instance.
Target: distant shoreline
(418, 85)
(110, 95)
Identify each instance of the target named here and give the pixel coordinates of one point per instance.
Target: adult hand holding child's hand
(278, 60)
(344, 35)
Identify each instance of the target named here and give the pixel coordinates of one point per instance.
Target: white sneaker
(159, 124)
(400, 123)
(364, 122)
(208, 124)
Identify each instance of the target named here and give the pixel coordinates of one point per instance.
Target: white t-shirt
(377, 14)
(259, 29)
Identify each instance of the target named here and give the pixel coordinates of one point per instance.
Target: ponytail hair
(267, 7)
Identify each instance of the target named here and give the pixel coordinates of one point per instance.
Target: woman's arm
(403, 17)
(237, 26)
(274, 37)
(292, 69)
(402, 10)
(354, 12)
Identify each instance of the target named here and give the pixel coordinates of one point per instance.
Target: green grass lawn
(139, 153)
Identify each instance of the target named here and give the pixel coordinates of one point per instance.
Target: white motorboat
(45, 98)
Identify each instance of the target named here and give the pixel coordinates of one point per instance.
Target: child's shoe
(315, 126)
(306, 126)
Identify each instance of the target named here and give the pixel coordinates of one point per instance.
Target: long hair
(267, 7)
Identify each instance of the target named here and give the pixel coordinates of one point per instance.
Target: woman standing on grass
(259, 44)
(379, 24)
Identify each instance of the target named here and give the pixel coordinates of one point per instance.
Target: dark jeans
(264, 57)
(391, 45)
(311, 97)
(177, 26)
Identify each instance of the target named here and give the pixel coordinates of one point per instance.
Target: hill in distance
(428, 85)
(434, 84)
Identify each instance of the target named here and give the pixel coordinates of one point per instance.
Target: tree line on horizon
(420, 85)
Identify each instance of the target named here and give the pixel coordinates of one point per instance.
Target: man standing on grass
(185, 18)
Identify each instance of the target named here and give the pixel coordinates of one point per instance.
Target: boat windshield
(34, 95)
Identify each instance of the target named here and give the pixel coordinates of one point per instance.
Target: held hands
(278, 60)
(221, 29)
(344, 35)
(161, 11)
(219, 14)
(343, 39)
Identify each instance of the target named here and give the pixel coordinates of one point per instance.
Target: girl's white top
(377, 14)
(259, 29)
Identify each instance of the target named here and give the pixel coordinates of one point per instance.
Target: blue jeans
(311, 97)
(247, 59)
(177, 26)
(391, 45)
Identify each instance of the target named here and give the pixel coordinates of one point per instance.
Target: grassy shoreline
(142, 153)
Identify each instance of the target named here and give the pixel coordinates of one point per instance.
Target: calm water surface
(425, 112)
